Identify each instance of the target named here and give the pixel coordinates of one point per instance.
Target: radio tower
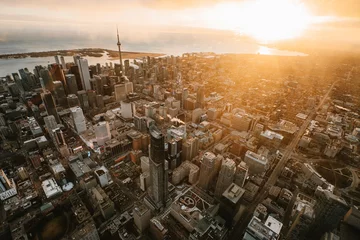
(119, 47)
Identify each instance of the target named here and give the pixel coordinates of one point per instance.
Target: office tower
(129, 88)
(99, 85)
(72, 100)
(63, 63)
(207, 167)
(120, 57)
(100, 101)
(50, 106)
(91, 98)
(71, 84)
(173, 153)
(230, 203)
(120, 92)
(257, 163)
(57, 59)
(226, 176)
(190, 149)
(18, 82)
(142, 216)
(127, 67)
(47, 79)
(57, 73)
(241, 174)
(79, 119)
(329, 211)
(257, 230)
(50, 123)
(83, 99)
(58, 137)
(82, 63)
(75, 70)
(25, 79)
(60, 94)
(158, 169)
(302, 217)
(86, 231)
(102, 132)
(241, 122)
(200, 97)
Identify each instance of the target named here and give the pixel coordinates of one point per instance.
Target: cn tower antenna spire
(119, 47)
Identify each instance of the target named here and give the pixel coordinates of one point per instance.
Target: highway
(248, 213)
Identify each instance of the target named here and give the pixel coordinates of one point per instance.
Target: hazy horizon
(48, 25)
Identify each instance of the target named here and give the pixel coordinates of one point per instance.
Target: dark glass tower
(158, 168)
(50, 105)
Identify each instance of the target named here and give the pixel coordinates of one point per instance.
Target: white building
(83, 65)
(127, 109)
(256, 163)
(51, 188)
(102, 132)
(120, 92)
(103, 176)
(79, 119)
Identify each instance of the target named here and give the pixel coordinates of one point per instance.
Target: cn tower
(119, 47)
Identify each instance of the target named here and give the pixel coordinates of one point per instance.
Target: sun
(264, 20)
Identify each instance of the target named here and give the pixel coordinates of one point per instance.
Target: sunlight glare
(263, 20)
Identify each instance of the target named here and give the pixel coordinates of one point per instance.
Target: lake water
(175, 46)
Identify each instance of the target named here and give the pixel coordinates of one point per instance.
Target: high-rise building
(60, 94)
(142, 216)
(241, 174)
(50, 105)
(200, 97)
(83, 99)
(127, 109)
(329, 210)
(47, 79)
(84, 73)
(173, 153)
(63, 63)
(72, 100)
(241, 122)
(102, 132)
(257, 163)
(120, 92)
(226, 176)
(71, 84)
(158, 169)
(50, 123)
(190, 149)
(302, 217)
(206, 170)
(79, 119)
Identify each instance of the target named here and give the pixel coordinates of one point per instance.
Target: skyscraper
(60, 94)
(329, 210)
(158, 169)
(79, 119)
(84, 73)
(120, 92)
(226, 176)
(102, 132)
(241, 174)
(71, 84)
(47, 79)
(206, 170)
(50, 106)
(50, 123)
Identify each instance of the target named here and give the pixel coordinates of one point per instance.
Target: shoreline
(84, 52)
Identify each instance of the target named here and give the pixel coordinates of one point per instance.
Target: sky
(145, 21)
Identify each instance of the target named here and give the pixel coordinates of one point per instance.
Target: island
(84, 52)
